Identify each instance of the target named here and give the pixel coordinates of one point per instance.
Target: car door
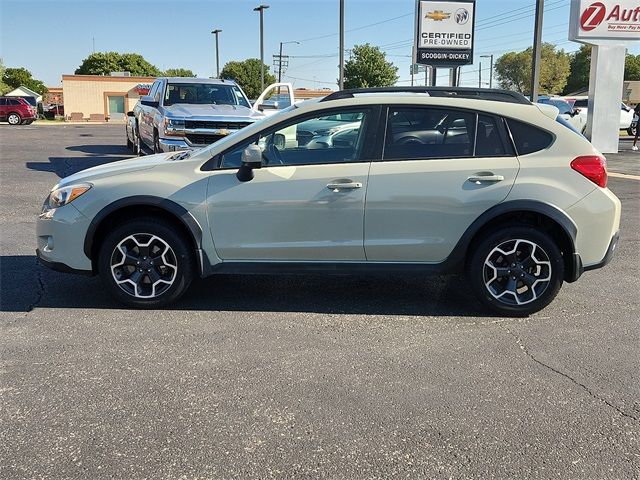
(440, 169)
(3, 108)
(305, 204)
(145, 121)
(276, 96)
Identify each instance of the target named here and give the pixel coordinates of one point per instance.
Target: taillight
(594, 167)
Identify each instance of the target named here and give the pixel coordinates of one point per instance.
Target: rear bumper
(607, 257)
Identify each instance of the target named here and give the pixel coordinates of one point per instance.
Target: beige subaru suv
(420, 180)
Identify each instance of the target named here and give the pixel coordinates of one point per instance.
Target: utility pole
(281, 62)
(537, 41)
(261, 9)
(93, 40)
(490, 69)
(216, 32)
(479, 74)
(341, 77)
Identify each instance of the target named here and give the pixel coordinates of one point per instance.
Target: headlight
(173, 127)
(65, 195)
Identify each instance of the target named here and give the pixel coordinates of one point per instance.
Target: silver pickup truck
(182, 113)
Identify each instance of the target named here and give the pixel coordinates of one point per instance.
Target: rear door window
(527, 138)
(418, 133)
(489, 142)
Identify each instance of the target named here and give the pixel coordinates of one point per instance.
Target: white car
(581, 104)
(430, 180)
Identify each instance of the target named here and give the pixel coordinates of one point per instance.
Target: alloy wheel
(144, 265)
(517, 272)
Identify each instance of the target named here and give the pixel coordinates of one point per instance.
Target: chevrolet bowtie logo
(437, 15)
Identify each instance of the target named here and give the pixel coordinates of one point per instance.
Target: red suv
(16, 110)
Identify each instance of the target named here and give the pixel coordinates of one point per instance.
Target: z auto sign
(605, 20)
(444, 32)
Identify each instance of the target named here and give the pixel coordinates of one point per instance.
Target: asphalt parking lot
(306, 377)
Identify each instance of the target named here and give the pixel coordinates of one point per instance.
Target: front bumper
(60, 237)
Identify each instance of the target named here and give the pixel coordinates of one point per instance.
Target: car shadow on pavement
(26, 285)
(94, 155)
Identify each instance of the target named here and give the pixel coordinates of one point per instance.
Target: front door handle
(479, 178)
(347, 185)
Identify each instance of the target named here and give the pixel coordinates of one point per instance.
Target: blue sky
(51, 38)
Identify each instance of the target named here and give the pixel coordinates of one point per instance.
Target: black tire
(129, 142)
(14, 118)
(137, 143)
(156, 142)
(530, 282)
(631, 131)
(175, 265)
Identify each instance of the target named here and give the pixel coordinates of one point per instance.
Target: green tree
(103, 63)
(579, 66)
(4, 88)
(513, 70)
(368, 67)
(632, 67)
(247, 75)
(178, 72)
(16, 77)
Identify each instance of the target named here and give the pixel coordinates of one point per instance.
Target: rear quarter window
(527, 138)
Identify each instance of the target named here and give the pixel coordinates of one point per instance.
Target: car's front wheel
(14, 119)
(516, 271)
(146, 263)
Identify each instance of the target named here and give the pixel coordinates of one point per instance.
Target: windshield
(204, 94)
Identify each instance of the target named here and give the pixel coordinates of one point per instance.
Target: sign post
(444, 34)
(608, 26)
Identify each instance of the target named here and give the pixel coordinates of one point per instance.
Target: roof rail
(460, 92)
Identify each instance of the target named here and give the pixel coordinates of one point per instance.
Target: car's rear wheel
(516, 271)
(146, 263)
(14, 119)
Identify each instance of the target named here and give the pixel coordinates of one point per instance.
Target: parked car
(581, 104)
(570, 114)
(182, 113)
(490, 184)
(16, 111)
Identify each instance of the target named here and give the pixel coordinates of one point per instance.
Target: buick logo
(462, 16)
(592, 16)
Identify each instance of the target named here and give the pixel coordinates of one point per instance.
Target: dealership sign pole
(609, 27)
(444, 34)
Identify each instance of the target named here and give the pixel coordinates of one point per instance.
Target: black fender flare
(167, 205)
(458, 254)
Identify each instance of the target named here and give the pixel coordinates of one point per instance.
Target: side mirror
(251, 159)
(149, 102)
(268, 106)
(131, 114)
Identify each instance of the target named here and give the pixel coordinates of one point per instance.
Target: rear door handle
(479, 178)
(337, 186)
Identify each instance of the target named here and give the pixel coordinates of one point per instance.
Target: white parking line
(623, 175)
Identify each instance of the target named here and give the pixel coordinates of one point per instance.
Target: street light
(261, 9)
(280, 59)
(490, 69)
(216, 32)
